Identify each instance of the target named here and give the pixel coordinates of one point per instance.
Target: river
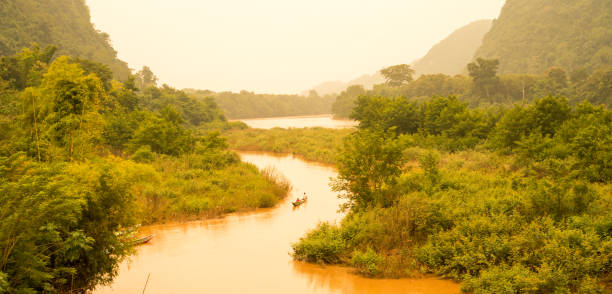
(250, 253)
(325, 121)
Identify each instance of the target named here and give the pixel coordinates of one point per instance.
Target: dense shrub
(367, 263)
(321, 245)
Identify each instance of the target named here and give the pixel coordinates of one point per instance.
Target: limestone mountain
(452, 54)
(65, 24)
(531, 36)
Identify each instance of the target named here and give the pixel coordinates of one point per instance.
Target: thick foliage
(533, 216)
(497, 230)
(59, 223)
(67, 207)
(548, 133)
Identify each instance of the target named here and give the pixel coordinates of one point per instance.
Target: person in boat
(304, 197)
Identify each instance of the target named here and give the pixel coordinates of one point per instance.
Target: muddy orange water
(250, 253)
(325, 121)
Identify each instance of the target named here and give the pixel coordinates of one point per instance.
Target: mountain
(452, 54)
(63, 23)
(531, 36)
(335, 87)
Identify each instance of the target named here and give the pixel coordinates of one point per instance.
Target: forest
(85, 159)
(512, 199)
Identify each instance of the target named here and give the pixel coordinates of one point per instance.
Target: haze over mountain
(530, 36)
(62, 23)
(335, 87)
(452, 54)
(277, 46)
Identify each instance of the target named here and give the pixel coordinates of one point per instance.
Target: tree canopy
(397, 75)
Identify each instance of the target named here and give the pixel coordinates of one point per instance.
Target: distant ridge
(450, 57)
(452, 54)
(335, 87)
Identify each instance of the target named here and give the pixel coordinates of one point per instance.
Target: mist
(277, 46)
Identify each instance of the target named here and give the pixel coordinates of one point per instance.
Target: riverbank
(247, 252)
(453, 214)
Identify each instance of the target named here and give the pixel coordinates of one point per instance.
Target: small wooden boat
(142, 240)
(299, 202)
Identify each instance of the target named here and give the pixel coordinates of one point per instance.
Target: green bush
(324, 244)
(143, 155)
(505, 280)
(266, 200)
(367, 263)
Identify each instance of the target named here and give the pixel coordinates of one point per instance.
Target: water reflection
(336, 279)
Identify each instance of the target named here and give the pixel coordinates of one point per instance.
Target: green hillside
(63, 23)
(531, 36)
(452, 54)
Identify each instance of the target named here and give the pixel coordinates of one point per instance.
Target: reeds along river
(250, 253)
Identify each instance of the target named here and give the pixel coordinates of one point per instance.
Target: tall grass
(315, 144)
(172, 188)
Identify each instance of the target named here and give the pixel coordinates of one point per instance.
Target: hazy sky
(277, 46)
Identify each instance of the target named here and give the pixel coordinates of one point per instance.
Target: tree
(343, 106)
(386, 113)
(101, 70)
(368, 168)
(59, 224)
(163, 134)
(145, 78)
(484, 74)
(25, 69)
(397, 75)
(73, 101)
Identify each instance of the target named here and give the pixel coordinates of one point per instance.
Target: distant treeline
(484, 87)
(250, 105)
